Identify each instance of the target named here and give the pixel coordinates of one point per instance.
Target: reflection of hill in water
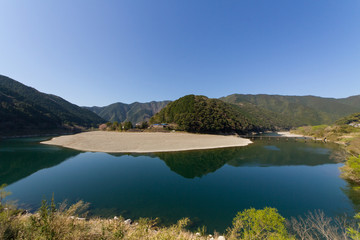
(22, 157)
(196, 163)
(263, 153)
(287, 153)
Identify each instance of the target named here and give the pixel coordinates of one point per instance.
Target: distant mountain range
(265, 110)
(135, 112)
(300, 110)
(24, 110)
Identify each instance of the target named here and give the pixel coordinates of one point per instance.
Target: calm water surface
(208, 186)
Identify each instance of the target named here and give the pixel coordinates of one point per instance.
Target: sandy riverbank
(288, 134)
(143, 142)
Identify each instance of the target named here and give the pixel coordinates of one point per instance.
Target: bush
(258, 224)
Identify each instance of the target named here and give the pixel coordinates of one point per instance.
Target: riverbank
(345, 135)
(145, 142)
(289, 134)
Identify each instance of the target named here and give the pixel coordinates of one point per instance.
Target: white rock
(198, 234)
(116, 218)
(128, 221)
(211, 238)
(221, 238)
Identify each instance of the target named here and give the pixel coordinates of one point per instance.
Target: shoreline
(144, 142)
(289, 134)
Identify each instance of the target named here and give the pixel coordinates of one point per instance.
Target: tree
(353, 232)
(251, 223)
(144, 125)
(128, 125)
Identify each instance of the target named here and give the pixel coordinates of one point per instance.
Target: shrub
(258, 224)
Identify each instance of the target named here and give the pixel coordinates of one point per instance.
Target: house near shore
(164, 126)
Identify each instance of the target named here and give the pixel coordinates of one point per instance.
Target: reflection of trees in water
(192, 164)
(21, 158)
(266, 152)
(353, 193)
(339, 156)
(285, 153)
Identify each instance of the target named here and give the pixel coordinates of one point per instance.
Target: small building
(159, 125)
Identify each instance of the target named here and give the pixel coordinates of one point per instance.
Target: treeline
(122, 126)
(53, 221)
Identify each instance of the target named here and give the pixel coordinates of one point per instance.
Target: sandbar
(145, 142)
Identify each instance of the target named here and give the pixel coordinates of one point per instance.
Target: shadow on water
(20, 158)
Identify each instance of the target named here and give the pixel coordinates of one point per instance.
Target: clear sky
(101, 52)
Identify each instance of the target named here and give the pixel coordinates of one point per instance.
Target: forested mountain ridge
(24, 110)
(303, 110)
(200, 114)
(135, 112)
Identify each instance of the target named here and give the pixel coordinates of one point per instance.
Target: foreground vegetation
(345, 131)
(63, 222)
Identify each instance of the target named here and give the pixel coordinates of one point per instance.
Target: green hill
(351, 101)
(301, 110)
(24, 110)
(134, 112)
(204, 115)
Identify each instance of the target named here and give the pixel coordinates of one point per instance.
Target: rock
(128, 221)
(116, 218)
(72, 217)
(221, 238)
(197, 234)
(211, 238)
(81, 219)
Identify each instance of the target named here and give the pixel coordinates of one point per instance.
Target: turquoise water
(208, 186)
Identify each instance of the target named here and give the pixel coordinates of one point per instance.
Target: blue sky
(100, 52)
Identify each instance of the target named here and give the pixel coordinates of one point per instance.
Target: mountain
(351, 101)
(24, 110)
(135, 112)
(205, 115)
(301, 110)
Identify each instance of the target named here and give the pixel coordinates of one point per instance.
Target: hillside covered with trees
(300, 110)
(135, 112)
(24, 110)
(204, 115)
